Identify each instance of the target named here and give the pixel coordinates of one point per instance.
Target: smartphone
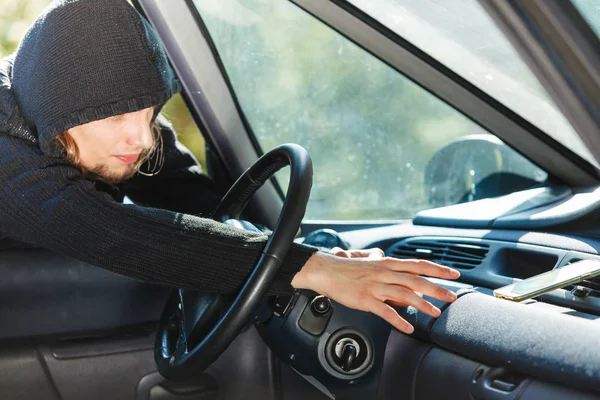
(548, 281)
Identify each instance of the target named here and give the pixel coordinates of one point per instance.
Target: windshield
(382, 146)
(461, 35)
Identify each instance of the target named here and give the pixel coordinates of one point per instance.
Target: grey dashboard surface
(528, 209)
(384, 236)
(412, 365)
(544, 343)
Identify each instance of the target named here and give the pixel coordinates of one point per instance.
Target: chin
(112, 176)
(124, 175)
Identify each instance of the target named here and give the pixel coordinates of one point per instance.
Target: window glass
(461, 35)
(382, 147)
(590, 9)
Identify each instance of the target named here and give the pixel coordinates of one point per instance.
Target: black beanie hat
(85, 60)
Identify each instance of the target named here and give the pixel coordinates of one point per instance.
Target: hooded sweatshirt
(85, 60)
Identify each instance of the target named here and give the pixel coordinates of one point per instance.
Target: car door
(72, 331)
(401, 116)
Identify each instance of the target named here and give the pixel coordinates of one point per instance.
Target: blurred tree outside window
(188, 133)
(15, 18)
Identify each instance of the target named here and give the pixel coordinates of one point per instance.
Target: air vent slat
(595, 280)
(473, 252)
(463, 259)
(409, 254)
(450, 253)
(466, 255)
(592, 284)
(460, 265)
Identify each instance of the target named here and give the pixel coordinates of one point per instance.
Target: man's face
(110, 148)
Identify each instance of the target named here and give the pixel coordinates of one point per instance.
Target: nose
(141, 136)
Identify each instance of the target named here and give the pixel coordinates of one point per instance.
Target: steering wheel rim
(173, 358)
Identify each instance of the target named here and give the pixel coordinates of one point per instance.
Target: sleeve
(180, 186)
(49, 204)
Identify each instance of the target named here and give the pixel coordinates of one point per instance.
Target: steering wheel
(196, 327)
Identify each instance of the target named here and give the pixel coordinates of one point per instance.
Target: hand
(366, 280)
(374, 253)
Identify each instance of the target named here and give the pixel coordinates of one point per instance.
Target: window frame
(388, 49)
(561, 48)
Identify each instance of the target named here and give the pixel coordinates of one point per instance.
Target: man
(80, 128)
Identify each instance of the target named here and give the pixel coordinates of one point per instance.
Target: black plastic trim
(213, 47)
(563, 51)
(184, 95)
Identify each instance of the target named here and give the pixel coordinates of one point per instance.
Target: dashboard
(480, 347)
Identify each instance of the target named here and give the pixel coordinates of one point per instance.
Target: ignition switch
(349, 353)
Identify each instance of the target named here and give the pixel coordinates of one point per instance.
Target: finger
(397, 304)
(420, 267)
(417, 284)
(376, 253)
(406, 296)
(390, 315)
(337, 251)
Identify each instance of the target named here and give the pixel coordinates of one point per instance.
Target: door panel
(102, 376)
(79, 370)
(23, 375)
(71, 331)
(43, 293)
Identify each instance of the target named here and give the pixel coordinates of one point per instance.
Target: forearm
(58, 210)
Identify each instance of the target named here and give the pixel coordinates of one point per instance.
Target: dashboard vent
(587, 288)
(448, 253)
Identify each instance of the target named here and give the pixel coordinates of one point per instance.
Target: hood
(81, 61)
(12, 121)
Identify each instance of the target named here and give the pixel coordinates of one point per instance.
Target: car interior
(465, 133)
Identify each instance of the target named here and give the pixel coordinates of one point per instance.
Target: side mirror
(477, 167)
